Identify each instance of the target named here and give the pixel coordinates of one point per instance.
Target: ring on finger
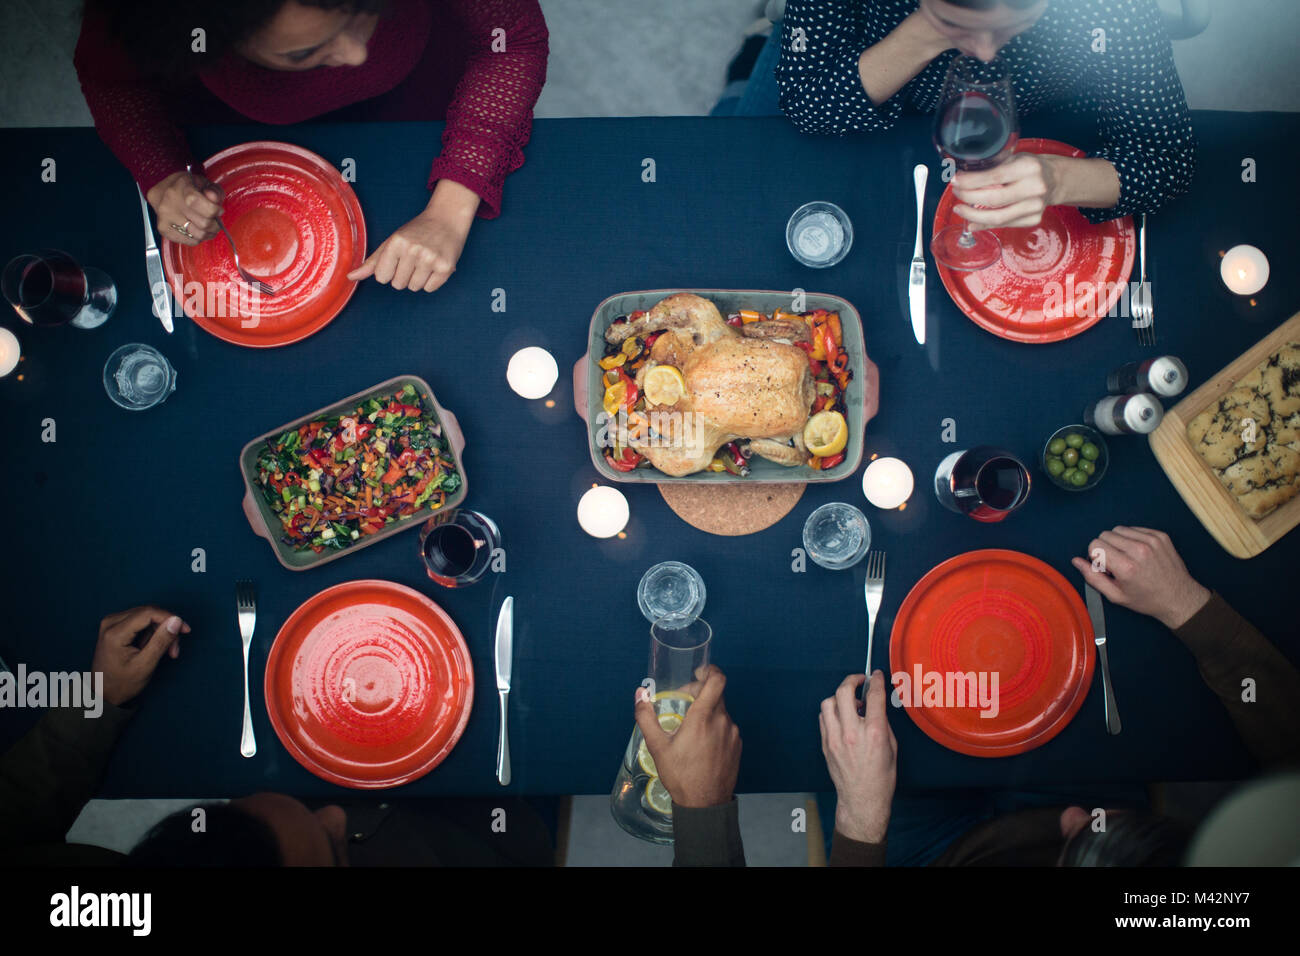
(184, 230)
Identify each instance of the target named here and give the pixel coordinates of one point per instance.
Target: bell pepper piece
(625, 461)
(633, 393)
(818, 345)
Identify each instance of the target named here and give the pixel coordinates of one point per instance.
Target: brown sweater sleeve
(848, 852)
(1229, 650)
(708, 836)
(49, 774)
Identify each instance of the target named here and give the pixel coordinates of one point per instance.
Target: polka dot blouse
(1130, 85)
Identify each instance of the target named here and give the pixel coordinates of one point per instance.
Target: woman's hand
(193, 202)
(1013, 193)
(422, 254)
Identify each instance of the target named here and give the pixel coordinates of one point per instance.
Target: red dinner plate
(1054, 280)
(297, 226)
(369, 684)
(1004, 612)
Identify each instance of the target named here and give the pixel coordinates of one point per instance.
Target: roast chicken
(741, 383)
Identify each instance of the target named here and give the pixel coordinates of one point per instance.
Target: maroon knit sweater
(427, 60)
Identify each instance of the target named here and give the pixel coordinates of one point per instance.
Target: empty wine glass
(976, 127)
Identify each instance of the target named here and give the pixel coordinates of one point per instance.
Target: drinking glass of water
(138, 376)
(819, 234)
(671, 590)
(836, 536)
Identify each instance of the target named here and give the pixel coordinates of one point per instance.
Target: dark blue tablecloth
(107, 516)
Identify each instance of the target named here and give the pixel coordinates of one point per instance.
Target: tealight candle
(887, 482)
(10, 352)
(1244, 269)
(532, 372)
(603, 512)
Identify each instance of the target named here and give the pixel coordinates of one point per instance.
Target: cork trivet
(734, 508)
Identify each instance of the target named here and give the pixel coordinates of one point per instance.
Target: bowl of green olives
(1075, 457)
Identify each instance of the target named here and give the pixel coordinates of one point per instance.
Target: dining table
(109, 509)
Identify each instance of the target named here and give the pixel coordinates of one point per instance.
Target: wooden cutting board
(1191, 475)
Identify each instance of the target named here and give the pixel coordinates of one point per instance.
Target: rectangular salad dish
(354, 473)
(854, 392)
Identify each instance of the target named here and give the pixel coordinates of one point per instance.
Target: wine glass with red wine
(51, 288)
(977, 128)
(458, 547)
(984, 483)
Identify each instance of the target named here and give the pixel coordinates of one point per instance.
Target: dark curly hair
(1137, 838)
(230, 837)
(158, 34)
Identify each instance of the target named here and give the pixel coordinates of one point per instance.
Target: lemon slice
(615, 395)
(826, 434)
(664, 385)
(669, 723)
(645, 761)
(675, 695)
(657, 798)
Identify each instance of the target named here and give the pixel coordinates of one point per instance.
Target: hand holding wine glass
(977, 128)
(1013, 195)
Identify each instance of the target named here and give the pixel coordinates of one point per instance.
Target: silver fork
(246, 605)
(1144, 320)
(244, 274)
(875, 592)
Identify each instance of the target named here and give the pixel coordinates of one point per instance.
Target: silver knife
(162, 300)
(504, 655)
(1096, 612)
(916, 281)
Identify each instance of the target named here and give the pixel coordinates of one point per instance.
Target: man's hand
(422, 254)
(1144, 573)
(179, 199)
(862, 756)
(1013, 193)
(698, 763)
(127, 667)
